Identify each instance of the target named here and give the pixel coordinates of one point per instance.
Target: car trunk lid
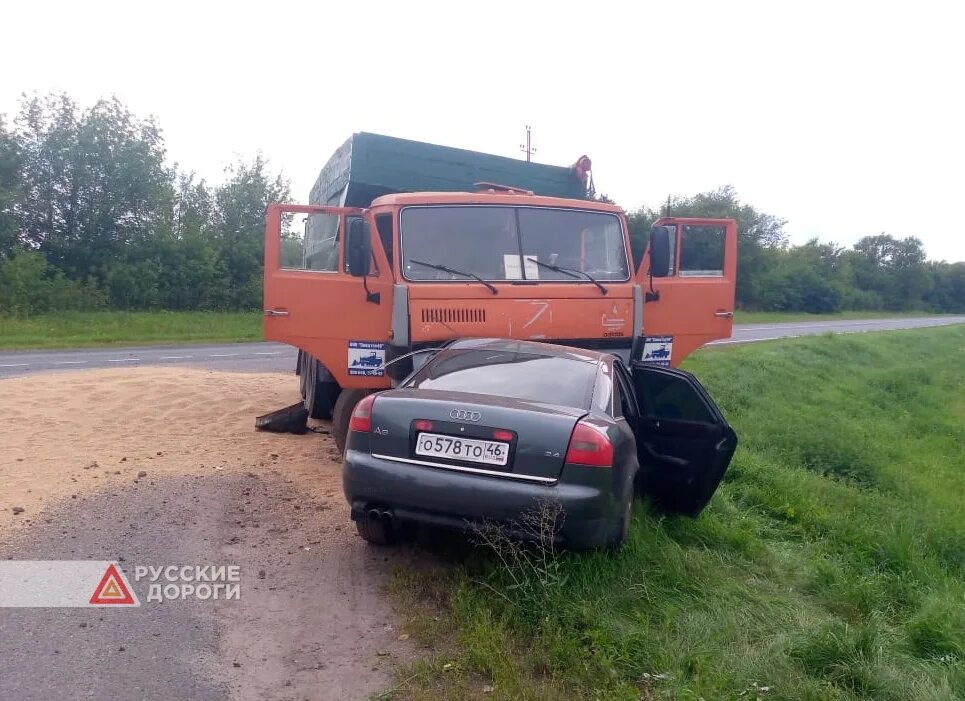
(471, 430)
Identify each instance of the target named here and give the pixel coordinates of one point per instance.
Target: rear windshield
(536, 378)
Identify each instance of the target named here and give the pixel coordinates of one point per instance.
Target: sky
(845, 118)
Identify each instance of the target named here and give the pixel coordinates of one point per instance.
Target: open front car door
(684, 443)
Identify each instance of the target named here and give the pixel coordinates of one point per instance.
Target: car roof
(548, 350)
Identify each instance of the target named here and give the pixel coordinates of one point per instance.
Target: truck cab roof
(490, 198)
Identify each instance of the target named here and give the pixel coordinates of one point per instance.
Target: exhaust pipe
(381, 515)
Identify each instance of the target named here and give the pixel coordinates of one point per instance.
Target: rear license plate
(454, 448)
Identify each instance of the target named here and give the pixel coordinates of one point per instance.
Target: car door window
(663, 395)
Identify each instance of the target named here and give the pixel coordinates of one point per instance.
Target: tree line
(879, 272)
(92, 217)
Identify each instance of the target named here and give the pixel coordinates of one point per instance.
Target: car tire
(319, 395)
(342, 414)
(375, 531)
(621, 529)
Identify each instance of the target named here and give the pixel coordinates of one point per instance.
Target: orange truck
(407, 246)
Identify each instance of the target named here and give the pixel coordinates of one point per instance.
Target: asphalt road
(310, 622)
(275, 357)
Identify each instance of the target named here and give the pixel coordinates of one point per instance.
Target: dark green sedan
(489, 430)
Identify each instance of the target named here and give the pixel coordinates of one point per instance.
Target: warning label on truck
(657, 350)
(366, 358)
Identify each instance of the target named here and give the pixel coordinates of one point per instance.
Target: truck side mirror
(660, 250)
(358, 247)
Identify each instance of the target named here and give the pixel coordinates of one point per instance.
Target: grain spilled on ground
(64, 433)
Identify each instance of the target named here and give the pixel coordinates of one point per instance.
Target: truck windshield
(495, 243)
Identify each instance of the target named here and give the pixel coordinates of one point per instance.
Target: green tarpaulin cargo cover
(370, 165)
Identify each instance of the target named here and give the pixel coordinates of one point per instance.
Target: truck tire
(319, 395)
(342, 414)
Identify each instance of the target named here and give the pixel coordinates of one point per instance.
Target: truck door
(684, 443)
(313, 302)
(694, 304)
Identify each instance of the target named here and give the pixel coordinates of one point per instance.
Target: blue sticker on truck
(366, 358)
(657, 350)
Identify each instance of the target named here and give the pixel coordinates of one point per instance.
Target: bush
(29, 285)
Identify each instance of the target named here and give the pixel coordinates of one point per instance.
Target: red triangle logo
(112, 589)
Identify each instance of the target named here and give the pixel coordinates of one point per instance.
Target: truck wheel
(319, 395)
(342, 414)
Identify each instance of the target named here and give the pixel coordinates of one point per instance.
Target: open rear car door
(684, 443)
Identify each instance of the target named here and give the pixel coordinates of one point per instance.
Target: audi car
(489, 431)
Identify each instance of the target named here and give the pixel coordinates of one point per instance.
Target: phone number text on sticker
(366, 358)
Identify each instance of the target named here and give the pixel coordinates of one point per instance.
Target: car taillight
(362, 416)
(503, 435)
(422, 425)
(589, 446)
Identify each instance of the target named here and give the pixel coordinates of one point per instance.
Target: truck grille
(442, 315)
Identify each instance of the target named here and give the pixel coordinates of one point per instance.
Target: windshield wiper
(453, 271)
(571, 272)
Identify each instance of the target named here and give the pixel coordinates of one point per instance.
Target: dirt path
(161, 467)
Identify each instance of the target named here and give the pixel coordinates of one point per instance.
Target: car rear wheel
(342, 414)
(377, 531)
(621, 529)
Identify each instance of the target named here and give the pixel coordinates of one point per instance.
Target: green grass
(830, 564)
(84, 329)
(745, 317)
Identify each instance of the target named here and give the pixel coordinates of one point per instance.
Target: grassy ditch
(830, 564)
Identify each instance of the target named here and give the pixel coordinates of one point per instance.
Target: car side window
(667, 396)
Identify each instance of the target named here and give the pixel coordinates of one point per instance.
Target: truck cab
(355, 288)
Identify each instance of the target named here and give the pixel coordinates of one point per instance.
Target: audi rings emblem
(464, 415)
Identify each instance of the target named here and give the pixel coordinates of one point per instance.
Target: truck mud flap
(291, 419)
